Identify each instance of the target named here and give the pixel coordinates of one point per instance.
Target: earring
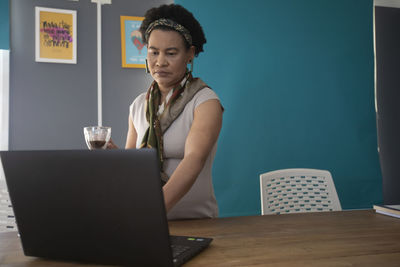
(147, 67)
(191, 65)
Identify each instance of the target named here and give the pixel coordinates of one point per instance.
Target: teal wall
(296, 78)
(4, 25)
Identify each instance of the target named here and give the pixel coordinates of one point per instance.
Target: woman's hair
(180, 15)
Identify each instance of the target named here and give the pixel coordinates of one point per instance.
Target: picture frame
(55, 35)
(133, 50)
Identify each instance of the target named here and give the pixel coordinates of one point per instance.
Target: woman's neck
(164, 92)
(166, 89)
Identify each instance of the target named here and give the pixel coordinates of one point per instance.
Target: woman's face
(167, 57)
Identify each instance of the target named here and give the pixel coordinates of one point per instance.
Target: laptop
(103, 207)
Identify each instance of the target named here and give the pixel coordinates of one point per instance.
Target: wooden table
(346, 238)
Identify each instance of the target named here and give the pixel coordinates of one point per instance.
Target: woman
(184, 114)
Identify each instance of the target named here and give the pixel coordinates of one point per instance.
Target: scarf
(158, 124)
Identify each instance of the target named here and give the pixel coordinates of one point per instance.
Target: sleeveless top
(199, 201)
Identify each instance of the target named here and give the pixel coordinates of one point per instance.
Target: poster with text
(55, 35)
(133, 49)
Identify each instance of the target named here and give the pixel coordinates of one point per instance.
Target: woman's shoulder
(138, 102)
(140, 99)
(203, 95)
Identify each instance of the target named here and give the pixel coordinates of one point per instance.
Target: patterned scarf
(158, 124)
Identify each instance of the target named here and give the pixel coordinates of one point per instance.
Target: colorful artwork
(55, 35)
(133, 49)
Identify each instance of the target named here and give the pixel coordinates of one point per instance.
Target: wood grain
(346, 238)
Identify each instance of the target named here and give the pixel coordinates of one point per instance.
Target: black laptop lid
(101, 206)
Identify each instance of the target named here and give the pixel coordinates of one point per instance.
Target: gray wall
(51, 103)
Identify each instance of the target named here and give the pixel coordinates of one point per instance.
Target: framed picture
(55, 35)
(133, 49)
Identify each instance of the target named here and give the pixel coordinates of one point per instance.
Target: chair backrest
(298, 190)
(7, 220)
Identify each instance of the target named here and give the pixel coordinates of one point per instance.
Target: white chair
(298, 190)
(7, 220)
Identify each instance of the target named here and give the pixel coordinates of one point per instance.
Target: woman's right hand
(111, 145)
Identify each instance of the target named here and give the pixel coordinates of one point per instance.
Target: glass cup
(97, 137)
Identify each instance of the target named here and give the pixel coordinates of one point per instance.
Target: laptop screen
(102, 206)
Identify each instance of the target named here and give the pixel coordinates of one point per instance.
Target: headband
(170, 24)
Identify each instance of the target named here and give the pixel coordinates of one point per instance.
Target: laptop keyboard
(178, 250)
(186, 247)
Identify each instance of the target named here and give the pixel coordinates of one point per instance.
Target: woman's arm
(202, 136)
(131, 136)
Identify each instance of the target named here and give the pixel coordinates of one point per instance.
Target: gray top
(200, 201)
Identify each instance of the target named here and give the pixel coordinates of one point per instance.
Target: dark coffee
(97, 144)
